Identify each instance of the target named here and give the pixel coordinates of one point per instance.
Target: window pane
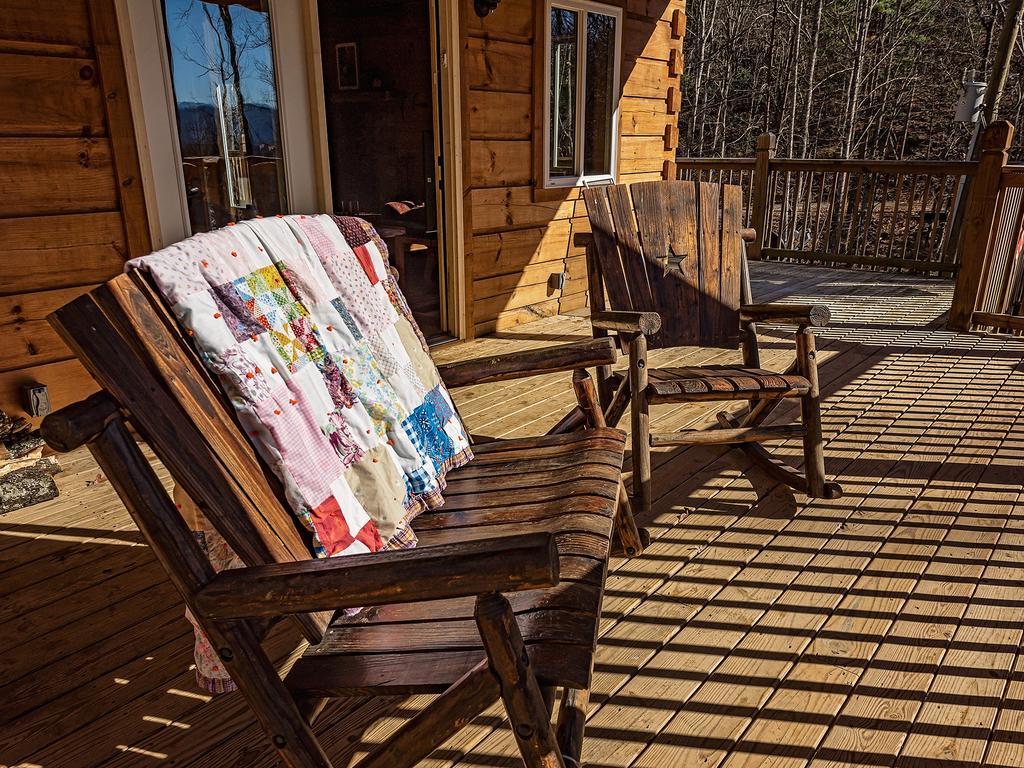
(222, 70)
(562, 131)
(600, 94)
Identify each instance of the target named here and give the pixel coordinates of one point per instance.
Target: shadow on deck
(881, 629)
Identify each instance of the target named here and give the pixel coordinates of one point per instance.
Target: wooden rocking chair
(533, 517)
(672, 258)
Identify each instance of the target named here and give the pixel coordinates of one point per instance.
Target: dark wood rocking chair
(671, 256)
(531, 517)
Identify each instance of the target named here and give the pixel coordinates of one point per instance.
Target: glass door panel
(225, 93)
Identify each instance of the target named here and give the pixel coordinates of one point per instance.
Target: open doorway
(384, 133)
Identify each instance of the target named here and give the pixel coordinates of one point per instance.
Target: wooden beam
(726, 436)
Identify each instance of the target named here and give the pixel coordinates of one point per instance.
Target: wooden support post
(978, 223)
(641, 422)
(595, 285)
(759, 203)
(572, 717)
(618, 403)
(810, 415)
(629, 540)
(524, 700)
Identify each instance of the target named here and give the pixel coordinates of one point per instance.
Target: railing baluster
(907, 233)
(921, 220)
(895, 214)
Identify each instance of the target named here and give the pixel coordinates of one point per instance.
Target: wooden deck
(882, 629)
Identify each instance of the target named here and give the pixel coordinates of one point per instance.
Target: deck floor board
(881, 628)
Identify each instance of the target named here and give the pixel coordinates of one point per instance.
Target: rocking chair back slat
(608, 259)
(132, 347)
(675, 248)
(630, 250)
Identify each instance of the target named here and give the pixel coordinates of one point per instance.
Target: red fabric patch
(334, 533)
(331, 528)
(367, 264)
(370, 536)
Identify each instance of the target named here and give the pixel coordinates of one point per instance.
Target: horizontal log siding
(519, 246)
(61, 224)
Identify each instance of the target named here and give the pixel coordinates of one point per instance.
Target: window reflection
(563, 92)
(600, 95)
(222, 70)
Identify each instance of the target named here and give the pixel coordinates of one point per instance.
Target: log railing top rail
(849, 165)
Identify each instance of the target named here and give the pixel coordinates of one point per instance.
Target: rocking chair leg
(641, 423)
(628, 538)
(572, 717)
(520, 691)
(810, 414)
(446, 715)
(548, 692)
(630, 541)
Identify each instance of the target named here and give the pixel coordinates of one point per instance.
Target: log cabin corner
(468, 151)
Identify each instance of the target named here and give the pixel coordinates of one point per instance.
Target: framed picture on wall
(347, 56)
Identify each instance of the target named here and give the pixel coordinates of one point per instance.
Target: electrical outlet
(556, 281)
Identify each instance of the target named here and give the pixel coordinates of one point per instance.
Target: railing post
(759, 193)
(979, 219)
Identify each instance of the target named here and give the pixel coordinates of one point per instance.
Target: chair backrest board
(675, 248)
(128, 340)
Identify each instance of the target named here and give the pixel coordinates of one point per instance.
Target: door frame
(446, 37)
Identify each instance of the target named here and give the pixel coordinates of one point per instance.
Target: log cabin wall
(519, 244)
(71, 209)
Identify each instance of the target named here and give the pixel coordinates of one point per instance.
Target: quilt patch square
(437, 399)
(426, 431)
(235, 312)
(347, 318)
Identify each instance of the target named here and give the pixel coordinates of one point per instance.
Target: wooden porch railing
(881, 214)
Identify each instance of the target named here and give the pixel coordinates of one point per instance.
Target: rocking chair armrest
(814, 315)
(518, 365)
(647, 323)
(463, 569)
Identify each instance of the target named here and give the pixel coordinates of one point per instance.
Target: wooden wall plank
(500, 163)
(496, 65)
(57, 22)
(647, 38)
(496, 115)
(647, 79)
(49, 96)
(643, 117)
(575, 269)
(55, 175)
(58, 251)
(514, 23)
(514, 207)
(506, 253)
(26, 338)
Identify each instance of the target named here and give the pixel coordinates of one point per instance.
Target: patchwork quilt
(300, 320)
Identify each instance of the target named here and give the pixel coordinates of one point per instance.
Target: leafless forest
(871, 79)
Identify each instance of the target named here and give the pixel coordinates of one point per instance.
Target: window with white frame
(583, 44)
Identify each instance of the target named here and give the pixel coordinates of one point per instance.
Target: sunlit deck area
(881, 629)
